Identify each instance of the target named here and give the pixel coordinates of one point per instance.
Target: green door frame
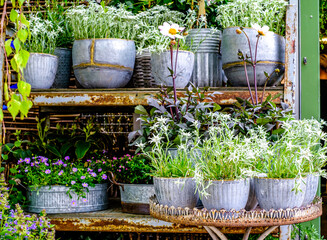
(309, 64)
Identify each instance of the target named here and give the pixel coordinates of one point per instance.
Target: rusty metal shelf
(129, 96)
(114, 220)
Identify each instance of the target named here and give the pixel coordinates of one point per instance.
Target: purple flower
(61, 172)
(93, 174)
(48, 171)
(85, 185)
(73, 203)
(104, 176)
(27, 160)
(72, 182)
(46, 164)
(82, 177)
(67, 158)
(100, 169)
(74, 169)
(60, 162)
(89, 170)
(32, 164)
(114, 158)
(65, 165)
(26, 170)
(84, 200)
(20, 161)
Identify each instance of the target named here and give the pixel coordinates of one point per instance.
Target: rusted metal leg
(267, 232)
(247, 233)
(285, 232)
(218, 233)
(211, 233)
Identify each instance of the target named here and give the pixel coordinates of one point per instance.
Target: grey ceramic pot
(177, 192)
(161, 62)
(103, 63)
(135, 198)
(41, 70)
(205, 43)
(312, 184)
(227, 195)
(271, 54)
(64, 68)
(278, 193)
(56, 199)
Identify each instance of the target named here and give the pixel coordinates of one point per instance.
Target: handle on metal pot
(113, 181)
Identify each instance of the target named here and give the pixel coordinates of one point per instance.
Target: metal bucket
(135, 198)
(207, 69)
(103, 63)
(41, 70)
(64, 68)
(161, 62)
(177, 192)
(271, 54)
(229, 194)
(278, 193)
(311, 189)
(55, 199)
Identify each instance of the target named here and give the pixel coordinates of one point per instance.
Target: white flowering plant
(245, 13)
(167, 162)
(43, 35)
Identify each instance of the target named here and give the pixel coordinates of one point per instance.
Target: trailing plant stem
(248, 82)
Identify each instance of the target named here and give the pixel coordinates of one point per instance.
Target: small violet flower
(85, 185)
(48, 171)
(82, 177)
(74, 169)
(67, 158)
(72, 182)
(61, 172)
(104, 176)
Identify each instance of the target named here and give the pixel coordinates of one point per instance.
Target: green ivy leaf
(17, 144)
(22, 35)
(13, 170)
(2, 169)
(25, 55)
(23, 20)
(25, 107)
(24, 88)
(17, 45)
(14, 64)
(1, 115)
(8, 47)
(14, 107)
(13, 14)
(81, 148)
(139, 109)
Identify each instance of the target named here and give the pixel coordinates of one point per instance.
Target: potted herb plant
(42, 65)
(133, 176)
(172, 175)
(99, 30)
(267, 54)
(287, 162)
(62, 186)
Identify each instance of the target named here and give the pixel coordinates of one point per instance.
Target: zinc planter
(56, 200)
(103, 63)
(161, 62)
(177, 192)
(278, 193)
(135, 198)
(228, 195)
(271, 54)
(41, 70)
(64, 68)
(205, 43)
(311, 189)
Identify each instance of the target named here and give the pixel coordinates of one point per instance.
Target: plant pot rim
(137, 184)
(168, 51)
(280, 178)
(230, 27)
(174, 177)
(227, 180)
(51, 186)
(45, 54)
(103, 39)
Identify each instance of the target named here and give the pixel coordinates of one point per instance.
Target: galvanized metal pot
(103, 63)
(312, 184)
(54, 199)
(41, 70)
(278, 193)
(252, 202)
(177, 192)
(64, 68)
(135, 198)
(205, 43)
(271, 54)
(161, 62)
(230, 194)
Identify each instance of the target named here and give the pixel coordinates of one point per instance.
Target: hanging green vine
(16, 99)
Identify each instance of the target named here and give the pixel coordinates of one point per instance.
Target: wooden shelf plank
(129, 97)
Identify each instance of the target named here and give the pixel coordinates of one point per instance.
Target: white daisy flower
(171, 31)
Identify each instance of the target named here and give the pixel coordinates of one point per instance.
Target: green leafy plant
(131, 169)
(78, 176)
(15, 224)
(269, 13)
(16, 99)
(306, 232)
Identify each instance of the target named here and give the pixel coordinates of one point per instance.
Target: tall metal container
(55, 199)
(207, 69)
(64, 68)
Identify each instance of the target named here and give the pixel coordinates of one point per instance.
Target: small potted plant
(132, 174)
(99, 30)
(39, 227)
(287, 162)
(42, 65)
(62, 186)
(172, 175)
(267, 54)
